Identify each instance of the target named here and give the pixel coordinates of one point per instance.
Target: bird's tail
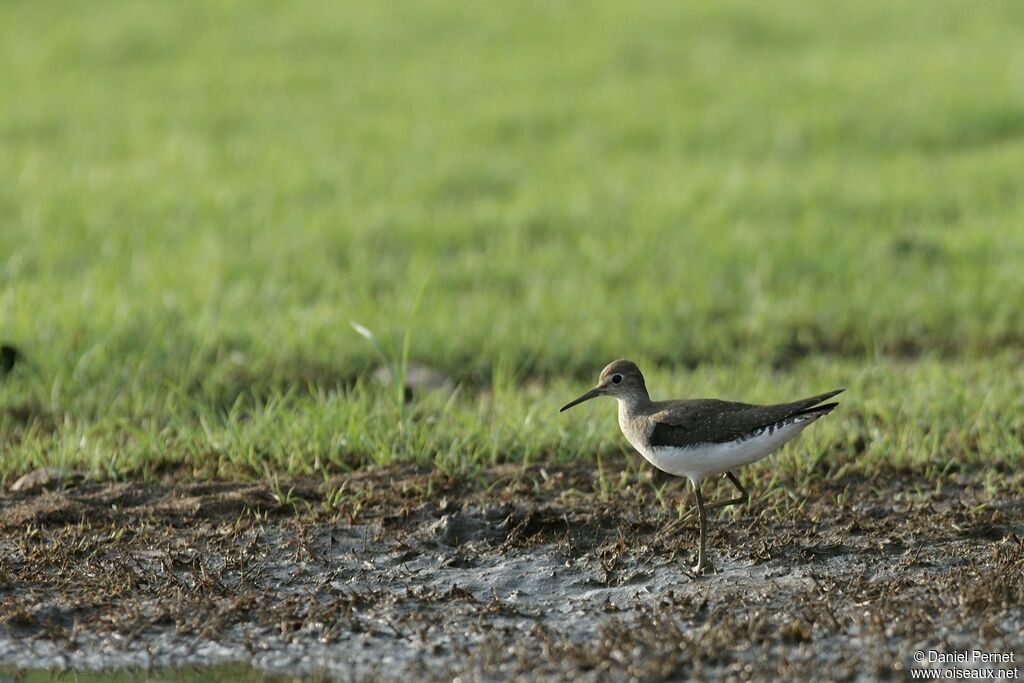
(816, 411)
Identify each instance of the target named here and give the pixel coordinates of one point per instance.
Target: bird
(701, 438)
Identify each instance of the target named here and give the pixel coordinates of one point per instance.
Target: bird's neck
(633, 404)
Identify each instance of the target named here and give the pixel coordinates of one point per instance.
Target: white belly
(704, 460)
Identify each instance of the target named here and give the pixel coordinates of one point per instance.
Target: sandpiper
(699, 438)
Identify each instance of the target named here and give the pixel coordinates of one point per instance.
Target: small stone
(46, 478)
(418, 377)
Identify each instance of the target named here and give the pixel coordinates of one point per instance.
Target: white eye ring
(616, 379)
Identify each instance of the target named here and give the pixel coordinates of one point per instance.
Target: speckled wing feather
(689, 423)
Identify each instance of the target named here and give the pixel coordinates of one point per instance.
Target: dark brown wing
(688, 423)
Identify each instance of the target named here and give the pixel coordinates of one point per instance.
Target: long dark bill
(585, 397)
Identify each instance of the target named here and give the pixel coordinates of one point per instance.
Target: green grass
(758, 201)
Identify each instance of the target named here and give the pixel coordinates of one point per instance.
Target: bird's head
(620, 379)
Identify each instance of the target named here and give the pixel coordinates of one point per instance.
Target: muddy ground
(537, 573)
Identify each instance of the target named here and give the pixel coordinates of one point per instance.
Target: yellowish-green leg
(738, 500)
(703, 565)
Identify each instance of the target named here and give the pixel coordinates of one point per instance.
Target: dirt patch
(402, 572)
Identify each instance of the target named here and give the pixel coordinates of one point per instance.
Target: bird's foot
(703, 566)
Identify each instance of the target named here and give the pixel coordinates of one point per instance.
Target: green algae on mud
(543, 571)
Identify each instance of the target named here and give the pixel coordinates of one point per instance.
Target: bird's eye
(616, 379)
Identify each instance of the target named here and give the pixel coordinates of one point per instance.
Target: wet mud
(535, 573)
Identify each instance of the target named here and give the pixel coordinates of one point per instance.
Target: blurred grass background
(752, 200)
